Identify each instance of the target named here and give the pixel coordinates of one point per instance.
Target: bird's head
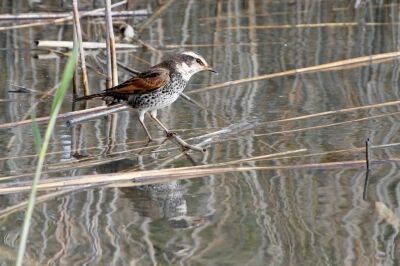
(189, 63)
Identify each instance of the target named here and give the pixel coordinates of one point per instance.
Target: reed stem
(78, 32)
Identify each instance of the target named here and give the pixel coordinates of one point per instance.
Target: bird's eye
(199, 62)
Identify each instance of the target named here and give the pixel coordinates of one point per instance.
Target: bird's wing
(144, 82)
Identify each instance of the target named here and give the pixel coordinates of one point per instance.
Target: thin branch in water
(376, 58)
(190, 100)
(127, 68)
(368, 165)
(367, 154)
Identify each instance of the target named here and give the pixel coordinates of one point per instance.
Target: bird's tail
(88, 97)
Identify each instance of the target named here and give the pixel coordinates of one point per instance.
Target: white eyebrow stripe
(193, 54)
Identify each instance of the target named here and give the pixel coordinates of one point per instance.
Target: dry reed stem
(85, 45)
(321, 126)
(323, 67)
(252, 159)
(57, 167)
(148, 46)
(61, 117)
(316, 25)
(78, 32)
(334, 112)
(140, 178)
(378, 6)
(58, 21)
(267, 14)
(63, 15)
(112, 72)
(175, 46)
(105, 112)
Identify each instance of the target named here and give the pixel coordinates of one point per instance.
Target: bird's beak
(211, 70)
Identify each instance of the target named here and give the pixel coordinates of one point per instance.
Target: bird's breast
(159, 98)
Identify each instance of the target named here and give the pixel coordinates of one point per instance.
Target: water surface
(295, 216)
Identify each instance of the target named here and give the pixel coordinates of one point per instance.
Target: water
(296, 216)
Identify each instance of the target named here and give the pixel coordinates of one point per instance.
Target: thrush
(156, 88)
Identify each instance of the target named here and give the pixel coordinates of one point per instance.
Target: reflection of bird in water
(164, 201)
(159, 201)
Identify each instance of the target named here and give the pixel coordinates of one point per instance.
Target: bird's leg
(141, 119)
(170, 134)
(153, 115)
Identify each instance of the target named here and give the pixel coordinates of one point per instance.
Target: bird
(155, 88)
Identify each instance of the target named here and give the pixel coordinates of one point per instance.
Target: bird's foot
(185, 146)
(170, 134)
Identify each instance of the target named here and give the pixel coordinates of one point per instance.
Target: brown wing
(147, 81)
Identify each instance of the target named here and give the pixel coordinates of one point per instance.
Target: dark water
(295, 216)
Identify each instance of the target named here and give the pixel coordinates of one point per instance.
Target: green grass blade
(58, 99)
(37, 138)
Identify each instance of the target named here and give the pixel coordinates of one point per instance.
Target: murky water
(294, 216)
